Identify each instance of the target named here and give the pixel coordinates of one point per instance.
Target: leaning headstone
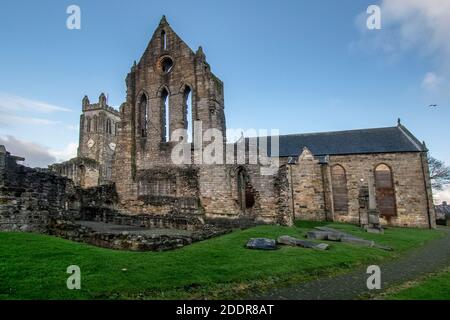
(261, 244)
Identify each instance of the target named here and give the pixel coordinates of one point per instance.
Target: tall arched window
(108, 126)
(241, 189)
(163, 40)
(95, 124)
(88, 124)
(143, 114)
(385, 193)
(340, 191)
(166, 125)
(187, 106)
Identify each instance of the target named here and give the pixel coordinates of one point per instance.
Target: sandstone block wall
(412, 191)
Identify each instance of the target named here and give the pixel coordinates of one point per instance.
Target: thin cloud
(431, 82)
(411, 27)
(35, 154)
(9, 120)
(15, 103)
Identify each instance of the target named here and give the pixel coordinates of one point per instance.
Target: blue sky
(296, 66)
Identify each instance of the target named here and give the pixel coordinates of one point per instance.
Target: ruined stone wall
(219, 195)
(308, 188)
(30, 198)
(84, 172)
(143, 154)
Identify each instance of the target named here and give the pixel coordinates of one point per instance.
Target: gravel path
(432, 257)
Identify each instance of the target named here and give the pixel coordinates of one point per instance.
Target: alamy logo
(374, 20)
(73, 21)
(74, 281)
(374, 280)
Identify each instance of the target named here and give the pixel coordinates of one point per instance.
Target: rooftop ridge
(324, 132)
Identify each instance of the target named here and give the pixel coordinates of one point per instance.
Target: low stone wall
(125, 241)
(169, 221)
(29, 198)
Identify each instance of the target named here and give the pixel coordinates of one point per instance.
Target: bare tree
(439, 173)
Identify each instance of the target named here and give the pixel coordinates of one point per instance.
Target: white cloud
(443, 195)
(69, 152)
(431, 81)
(35, 154)
(16, 103)
(419, 24)
(412, 27)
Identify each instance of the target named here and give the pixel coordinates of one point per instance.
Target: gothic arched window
(187, 107)
(340, 191)
(166, 123)
(385, 193)
(95, 124)
(163, 40)
(143, 113)
(88, 124)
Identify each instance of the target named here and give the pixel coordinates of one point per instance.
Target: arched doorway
(245, 192)
(385, 193)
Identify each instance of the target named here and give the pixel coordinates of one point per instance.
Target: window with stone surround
(163, 40)
(88, 124)
(143, 114)
(187, 105)
(385, 193)
(166, 106)
(108, 126)
(340, 190)
(95, 124)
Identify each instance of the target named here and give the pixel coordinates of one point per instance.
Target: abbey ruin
(124, 169)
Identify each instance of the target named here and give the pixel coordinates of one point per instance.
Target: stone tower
(98, 133)
(168, 79)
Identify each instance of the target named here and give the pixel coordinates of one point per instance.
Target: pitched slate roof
(365, 141)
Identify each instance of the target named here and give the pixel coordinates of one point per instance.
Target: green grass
(433, 287)
(33, 266)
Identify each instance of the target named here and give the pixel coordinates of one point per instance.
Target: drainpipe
(427, 195)
(324, 167)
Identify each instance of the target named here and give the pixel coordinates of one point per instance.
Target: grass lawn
(33, 266)
(433, 287)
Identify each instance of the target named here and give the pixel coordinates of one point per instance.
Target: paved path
(432, 257)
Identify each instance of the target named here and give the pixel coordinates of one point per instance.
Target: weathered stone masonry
(339, 176)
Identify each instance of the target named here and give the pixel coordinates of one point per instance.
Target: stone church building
(334, 176)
